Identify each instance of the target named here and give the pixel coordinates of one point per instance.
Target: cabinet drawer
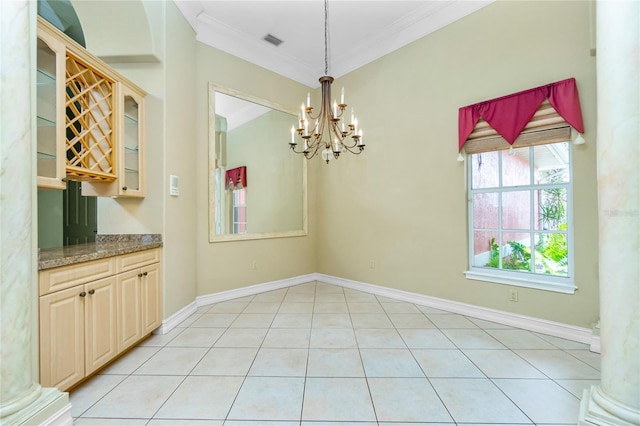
(55, 279)
(138, 259)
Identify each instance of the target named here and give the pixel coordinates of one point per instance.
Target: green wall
(165, 71)
(50, 219)
(403, 202)
(229, 265)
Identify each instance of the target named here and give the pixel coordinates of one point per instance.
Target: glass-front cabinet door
(131, 164)
(130, 180)
(50, 79)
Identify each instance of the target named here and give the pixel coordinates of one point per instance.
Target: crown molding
(423, 21)
(237, 43)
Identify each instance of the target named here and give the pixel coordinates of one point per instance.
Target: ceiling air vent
(272, 39)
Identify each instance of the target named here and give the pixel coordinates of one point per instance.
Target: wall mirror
(257, 187)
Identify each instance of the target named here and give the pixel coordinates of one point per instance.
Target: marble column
(616, 401)
(22, 399)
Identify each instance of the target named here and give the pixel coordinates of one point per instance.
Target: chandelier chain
(326, 38)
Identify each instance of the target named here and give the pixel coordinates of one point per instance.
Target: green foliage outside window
(551, 250)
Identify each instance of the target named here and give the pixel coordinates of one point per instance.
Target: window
(240, 211)
(520, 216)
(520, 199)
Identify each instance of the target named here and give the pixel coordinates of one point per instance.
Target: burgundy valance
(508, 115)
(236, 178)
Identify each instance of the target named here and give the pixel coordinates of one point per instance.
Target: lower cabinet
(129, 309)
(77, 332)
(85, 326)
(100, 324)
(151, 290)
(139, 302)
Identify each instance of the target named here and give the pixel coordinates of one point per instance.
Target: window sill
(566, 287)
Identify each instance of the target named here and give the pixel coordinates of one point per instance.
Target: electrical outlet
(513, 295)
(372, 264)
(254, 265)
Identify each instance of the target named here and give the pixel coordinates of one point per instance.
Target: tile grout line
(425, 373)
(358, 342)
(306, 371)
(246, 376)
(364, 370)
(190, 371)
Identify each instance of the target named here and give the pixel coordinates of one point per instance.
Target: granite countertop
(105, 246)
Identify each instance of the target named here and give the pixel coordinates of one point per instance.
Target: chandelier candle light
(329, 119)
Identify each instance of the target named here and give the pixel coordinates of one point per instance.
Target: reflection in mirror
(257, 188)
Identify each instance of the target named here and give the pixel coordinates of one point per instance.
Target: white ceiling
(237, 111)
(360, 31)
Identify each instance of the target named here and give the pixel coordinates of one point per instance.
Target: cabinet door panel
(50, 76)
(100, 322)
(131, 133)
(62, 338)
(151, 298)
(129, 309)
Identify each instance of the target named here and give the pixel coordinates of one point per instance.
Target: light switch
(174, 185)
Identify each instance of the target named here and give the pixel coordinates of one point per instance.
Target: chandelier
(329, 119)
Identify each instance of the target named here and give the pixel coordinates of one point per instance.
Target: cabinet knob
(83, 294)
(145, 273)
(140, 274)
(124, 188)
(92, 291)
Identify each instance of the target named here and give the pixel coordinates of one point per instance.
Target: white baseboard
(551, 328)
(61, 418)
(253, 289)
(175, 319)
(50, 408)
(565, 331)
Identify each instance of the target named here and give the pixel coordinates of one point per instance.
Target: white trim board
(62, 418)
(551, 328)
(174, 320)
(565, 331)
(254, 289)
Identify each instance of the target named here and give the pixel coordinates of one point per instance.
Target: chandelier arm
(320, 130)
(293, 148)
(336, 132)
(311, 117)
(311, 155)
(354, 143)
(355, 152)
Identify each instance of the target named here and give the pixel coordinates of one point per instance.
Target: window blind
(546, 126)
(543, 114)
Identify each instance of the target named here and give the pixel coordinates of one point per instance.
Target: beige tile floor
(321, 355)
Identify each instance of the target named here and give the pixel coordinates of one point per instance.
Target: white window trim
(235, 222)
(522, 279)
(532, 280)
